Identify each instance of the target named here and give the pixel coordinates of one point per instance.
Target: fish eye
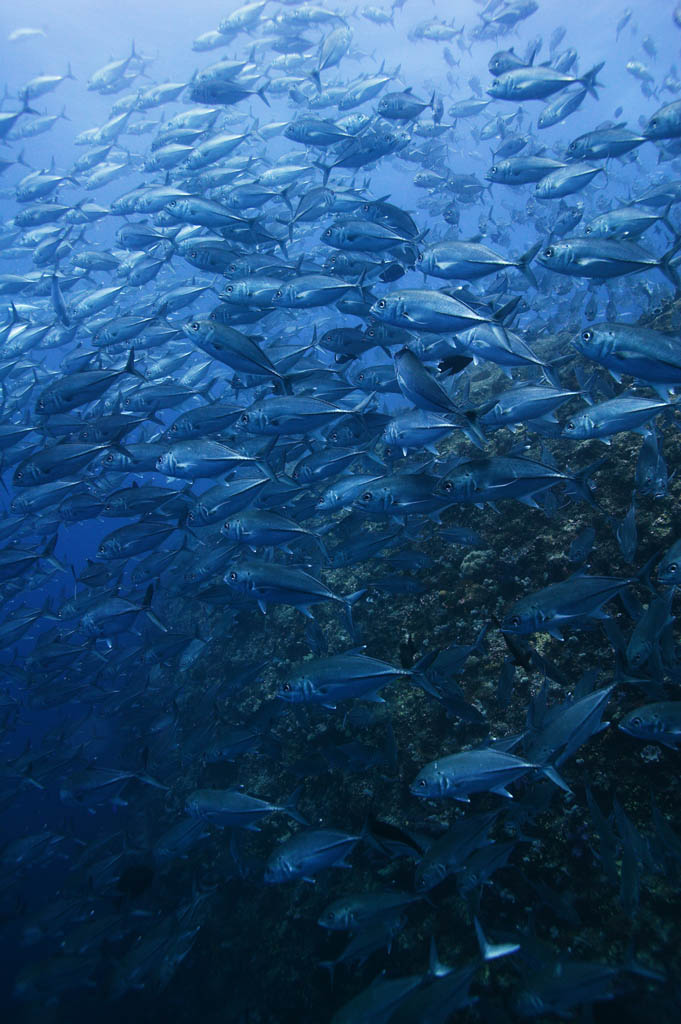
(588, 229)
(192, 254)
(388, 452)
(570, 425)
(381, 303)
(243, 418)
(278, 293)
(419, 258)
(422, 783)
(653, 122)
(19, 474)
(367, 496)
(548, 253)
(673, 567)
(233, 576)
(227, 525)
(334, 435)
(229, 289)
(587, 336)
(494, 169)
(109, 457)
(637, 722)
(173, 202)
(320, 501)
(327, 233)
(360, 376)
(448, 486)
(286, 687)
(515, 620)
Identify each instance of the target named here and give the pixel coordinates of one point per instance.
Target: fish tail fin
(349, 603)
(324, 168)
(130, 366)
(551, 773)
(643, 575)
(146, 608)
(262, 93)
(666, 267)
(578, 486)
(290, 806)
(589, 80)
(490, 951)
(147, 779)
(316, 78)
(48, 553)
(419, 670)
(524, 263)
(667, 222)
(504, 313)
(69, 72)
(287, 192)
(472, 431)
(26, 109)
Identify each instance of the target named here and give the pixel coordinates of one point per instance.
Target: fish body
(474, 771)
(308, 852)
(561, 605)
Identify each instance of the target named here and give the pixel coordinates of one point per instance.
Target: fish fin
(550, 772)
(489, 950)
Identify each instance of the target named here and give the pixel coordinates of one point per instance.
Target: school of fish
(340, 527)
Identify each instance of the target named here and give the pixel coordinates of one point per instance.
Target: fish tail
(505, 312)
(26, 109)
(290, 806)
(578, 486)
(315, 76)
(349, 603)
(471, 429)
(130, 366)
(324, 168)
(489, 950)
(524, 263)
(589, 80)
(666, 267)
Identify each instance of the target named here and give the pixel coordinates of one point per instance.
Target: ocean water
(210, 813)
